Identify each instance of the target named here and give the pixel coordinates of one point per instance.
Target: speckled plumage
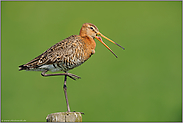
(63, 56)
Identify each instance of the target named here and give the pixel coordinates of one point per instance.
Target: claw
(82, 113)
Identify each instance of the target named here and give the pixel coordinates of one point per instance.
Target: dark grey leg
(65, 92)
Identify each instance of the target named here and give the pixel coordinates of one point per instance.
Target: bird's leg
(72, 76)
(65, 92)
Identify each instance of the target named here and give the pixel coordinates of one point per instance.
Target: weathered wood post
(65, 117)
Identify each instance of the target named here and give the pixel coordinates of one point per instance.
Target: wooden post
(64, 117)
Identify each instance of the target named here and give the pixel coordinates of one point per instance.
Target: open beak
(100, 39)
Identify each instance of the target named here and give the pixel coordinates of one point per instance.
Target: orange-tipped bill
(100, 39)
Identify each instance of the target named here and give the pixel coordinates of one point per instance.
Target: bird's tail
(22, 67)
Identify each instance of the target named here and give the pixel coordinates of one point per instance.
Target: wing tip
(22, 67)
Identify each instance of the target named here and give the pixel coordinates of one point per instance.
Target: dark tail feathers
(22, 67)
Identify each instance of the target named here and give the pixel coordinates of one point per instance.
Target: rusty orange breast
(89, 47)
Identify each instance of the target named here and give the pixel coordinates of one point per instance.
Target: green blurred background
(143, 84)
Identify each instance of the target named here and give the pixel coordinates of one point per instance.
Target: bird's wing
(57, 53)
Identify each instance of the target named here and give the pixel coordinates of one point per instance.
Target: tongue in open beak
(99, 38)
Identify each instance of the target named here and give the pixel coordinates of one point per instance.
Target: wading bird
(68, 54)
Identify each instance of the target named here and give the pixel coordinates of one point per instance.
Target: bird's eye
(91, 27)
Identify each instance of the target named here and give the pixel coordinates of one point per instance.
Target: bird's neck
(90, 42)
(82, 32)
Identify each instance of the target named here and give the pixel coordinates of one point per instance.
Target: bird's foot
(79, 112)
(72, 76)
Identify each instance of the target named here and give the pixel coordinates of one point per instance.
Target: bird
(68, 54)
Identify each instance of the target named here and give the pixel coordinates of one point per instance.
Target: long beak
(108, 40)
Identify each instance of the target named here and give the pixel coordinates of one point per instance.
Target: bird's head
(91, 30)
